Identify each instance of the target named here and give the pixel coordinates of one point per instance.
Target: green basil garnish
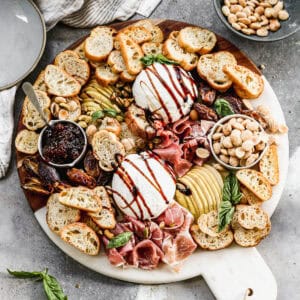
(160, 58)
(119, 240)
(97, 115)
(110, 112)
(231, 196)
(51, 286)
(223, 108)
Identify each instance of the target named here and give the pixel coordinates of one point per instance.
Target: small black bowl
(288, 27)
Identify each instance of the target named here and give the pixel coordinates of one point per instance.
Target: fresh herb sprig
(223, 108)
(160, 58)
(99, 114)
(231, 196)
(119, 240)
(52, 288)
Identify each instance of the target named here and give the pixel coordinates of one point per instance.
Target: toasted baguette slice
(157, 35)
(195, 39)
(205, 241)
(126, 77)
(79, 50)
(70, 62)
(250, 217)
(105, 76)
(105, 219)
(246, 83)
(152, 48)
(234, 222)
(137, 123)
(138, 34)
(250, 237)
(85, 218)
(251, 199)
(101, 192)
(59, 215)
(210, 68)
(116, 61)
(269, 165)
(171, 48)
(100, 43)
(208, 223)
(60, 83)
(27, 141)
(81, 237)
(40, 84)
(31, 118)
(189, 62)
(33, 121)
(173, 51)
(107, 149)
(81, 198)
(256, 183)
(131, 53)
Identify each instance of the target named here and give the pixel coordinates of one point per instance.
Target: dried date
(205, 113)
(207, 94)
(79, 177)
(91, 165)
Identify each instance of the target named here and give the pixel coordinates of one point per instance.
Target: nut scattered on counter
(239, 142)
(255, 16)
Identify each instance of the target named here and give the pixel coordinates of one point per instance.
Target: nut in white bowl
(237, 142)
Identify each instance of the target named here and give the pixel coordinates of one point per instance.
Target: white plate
(23, 39)
(228, 272)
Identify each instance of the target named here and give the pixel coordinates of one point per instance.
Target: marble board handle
(240, 274)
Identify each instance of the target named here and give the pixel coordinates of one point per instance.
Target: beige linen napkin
(76, 13)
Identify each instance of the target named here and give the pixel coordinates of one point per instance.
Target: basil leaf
(51, 286)
(148, 59)
(151, 59)
(25, 274)
(164, 60)
(97, 115)
(53, 289)
(231, 196)
(223, 108)
(110, 112)
(233, 188)
(119, 240)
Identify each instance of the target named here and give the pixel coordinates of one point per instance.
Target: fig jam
(62, 143)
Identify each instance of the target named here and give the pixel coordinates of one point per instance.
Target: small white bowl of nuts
(260, 20)
(238, 142)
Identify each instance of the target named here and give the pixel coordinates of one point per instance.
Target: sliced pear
(179, 198)
(194, 197)
(216, 174)
(190, 199)
(199, 192)
(202, 187)
(213, 199)
(211, 182)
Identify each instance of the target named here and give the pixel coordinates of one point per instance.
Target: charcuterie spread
(177, 157)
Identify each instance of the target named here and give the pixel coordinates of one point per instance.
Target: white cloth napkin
(76, 13)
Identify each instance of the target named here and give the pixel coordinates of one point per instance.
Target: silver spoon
(30, 93)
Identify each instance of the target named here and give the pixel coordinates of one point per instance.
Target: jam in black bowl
(62, 144)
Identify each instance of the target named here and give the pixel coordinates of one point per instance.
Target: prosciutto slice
(156, 234)
(146, 255)
(114, 257)
(172, 217)
(173, 154)
(178, 247)
(166, 239)
(179, 142)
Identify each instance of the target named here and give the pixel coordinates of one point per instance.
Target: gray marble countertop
(23, 245)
